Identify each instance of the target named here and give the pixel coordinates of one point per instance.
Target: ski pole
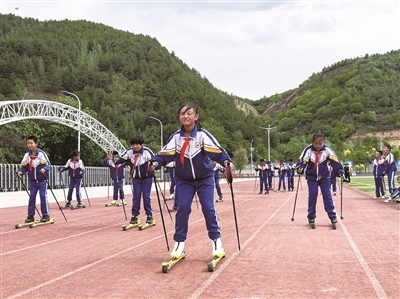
(86, 193)
(162, 216)
(62, 184)
(295, 199)
(229, 180)
(26, 189)
(48, 185)
(341, 198)
(123, 201)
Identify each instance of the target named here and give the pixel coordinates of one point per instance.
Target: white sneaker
(217, 248)
(388, 200)
(375, 197)
(383, 196)
(114, 202)
(178, 249)
(171, 196)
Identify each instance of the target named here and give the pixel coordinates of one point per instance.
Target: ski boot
(68, 205)
(218, 253)
(30, 219)
(266, 192)
(176, 255)
(134, 222)
(45, 218)
(333, 221)
(312, 222)
(80, 205)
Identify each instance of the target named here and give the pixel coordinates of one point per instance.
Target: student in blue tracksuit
(192, 148)
(290, 175)
(217, 169)
(390, 169)
(36, 164)
(117, 175)
(138, 158)
(270, 174)
(76, 170)
(263, 175)
(314, 162)
(282, 170)
(396, 192)
(170, 169)
(379, 168)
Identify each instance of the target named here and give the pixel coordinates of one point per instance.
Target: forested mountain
(123, 78)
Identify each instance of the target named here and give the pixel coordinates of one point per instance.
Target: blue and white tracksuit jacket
(142, 178)
(263, 175)
(31, 164)
(390, 170)
(117, 175)
(76, 170)
(196, 174)
(290, 176)
(379, 168)
(318, 174)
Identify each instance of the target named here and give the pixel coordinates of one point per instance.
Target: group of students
(385, 165)
(191, 149)
(266, 173)
(189, 152)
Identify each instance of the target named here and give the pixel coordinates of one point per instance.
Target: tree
(240, 159)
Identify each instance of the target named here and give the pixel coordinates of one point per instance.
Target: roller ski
(28, 222)
(112, 203)
(43, 221)
(122, 203)
(219, 200)
(311, 221)
(149, 222)
(133, 223)
(78, 206)
(218, 254)
(68, 205)
(176, 255)
(333, 221)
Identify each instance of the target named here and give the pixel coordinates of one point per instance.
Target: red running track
(90, 256)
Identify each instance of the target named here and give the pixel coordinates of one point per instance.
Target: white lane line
(375, 283)
(232, 257)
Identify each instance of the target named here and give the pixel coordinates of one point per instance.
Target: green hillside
(123, 78)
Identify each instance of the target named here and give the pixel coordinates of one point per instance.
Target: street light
(268, 129)
(79, 117)
(251, 157)
(161, 142)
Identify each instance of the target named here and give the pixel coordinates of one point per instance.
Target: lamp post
(79, 117)
(268, 129)
(251, 157)
(161, 142)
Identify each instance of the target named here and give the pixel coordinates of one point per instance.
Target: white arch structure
(11, 111)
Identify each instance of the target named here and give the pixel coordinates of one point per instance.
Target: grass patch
(366, 184)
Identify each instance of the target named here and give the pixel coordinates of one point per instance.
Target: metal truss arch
(11, 111)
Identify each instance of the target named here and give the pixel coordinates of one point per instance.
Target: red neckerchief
(183, 149)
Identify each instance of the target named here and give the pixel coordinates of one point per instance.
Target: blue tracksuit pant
(141, 187)
(329, 205)
(74, 182)
(390, 177)
(205, 191)
(34, 187)
(119, 186)
(379, 187)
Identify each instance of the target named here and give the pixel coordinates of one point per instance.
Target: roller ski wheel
(168, 265)
(146, 225)
(130, 225)
(19, 225)
(121, 204)
(211, 265)
(78, 207)
(109, 204)
(312, 223)
(333, 222)
(38, 223)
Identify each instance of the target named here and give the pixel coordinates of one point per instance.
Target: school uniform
(194, 173)
(282, 170)
(31, 165)
(379, 168)
(76, 170)
(270, 175)
(290, 176)
(315, 166)
(390, 170)
(117, 174)
(263, 175)
(142, 177)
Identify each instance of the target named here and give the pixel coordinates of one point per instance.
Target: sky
(250, 49)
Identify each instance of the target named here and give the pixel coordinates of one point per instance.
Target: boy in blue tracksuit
(117, 175)
(76, 170)
(36, 164)
(263, 174)
(379, 168)
(290, 175)
(192, 148)
(282, 170)
(138, 157)
(390, 169)
(270, 174)
(314, 162)
(217, 169)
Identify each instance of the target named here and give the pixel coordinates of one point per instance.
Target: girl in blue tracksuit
(390, 168)
(138, 158)
(117, 175)
(379, 168)
(36, 164)
(282, 174)
(192, 148)
(76, 169)
(263, 175)
(314, 162)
